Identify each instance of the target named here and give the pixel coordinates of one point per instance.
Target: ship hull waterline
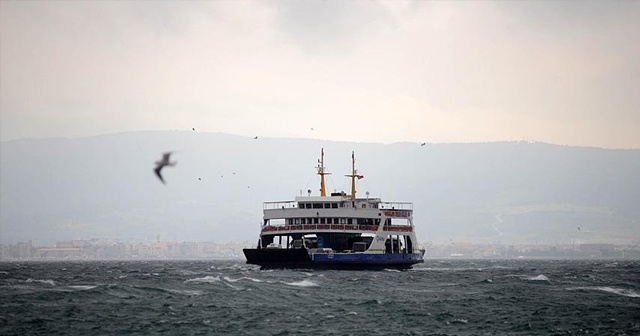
(301, 259)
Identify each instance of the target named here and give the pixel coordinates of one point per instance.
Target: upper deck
(335, 206)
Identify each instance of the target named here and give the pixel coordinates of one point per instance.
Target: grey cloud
(321, 25)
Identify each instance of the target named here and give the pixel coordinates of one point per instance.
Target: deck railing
(395, 206)
(279, 205)
(342, 227)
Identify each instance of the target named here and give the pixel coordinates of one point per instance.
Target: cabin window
(364, 205)
(343, 220)
(315, 220)
(334, 205)
(349, 221)
(342, 204)
(327, 205)
(322, 220)
(307, 206)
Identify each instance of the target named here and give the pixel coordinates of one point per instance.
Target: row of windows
(316, 220)
(320, 205)
(329, 205)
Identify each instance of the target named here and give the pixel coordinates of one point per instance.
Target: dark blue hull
(300, 258)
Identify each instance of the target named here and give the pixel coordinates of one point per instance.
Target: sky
(366, 71)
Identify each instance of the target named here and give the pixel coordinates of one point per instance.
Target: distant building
(24, 250)
(597, 250)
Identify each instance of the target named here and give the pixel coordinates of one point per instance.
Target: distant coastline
(108, 250)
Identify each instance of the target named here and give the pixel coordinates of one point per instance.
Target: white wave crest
(207, 279)
(303, 283)
(539, 277)
(82, 287)
(48, 282)
(458, 321)
(234, 287)
(228, 279)
(612, 290)
(186, 292)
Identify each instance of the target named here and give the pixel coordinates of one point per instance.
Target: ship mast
(353, 176)
(322, 173)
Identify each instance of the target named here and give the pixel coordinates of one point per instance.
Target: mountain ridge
(103, 186)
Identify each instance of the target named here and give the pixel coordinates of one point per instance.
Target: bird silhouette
(422, 144)
(255, 137)
(162, 163)
(193, 128)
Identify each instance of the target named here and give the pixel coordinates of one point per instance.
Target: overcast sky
(373, 71)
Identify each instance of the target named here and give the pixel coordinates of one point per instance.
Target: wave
(612, 290)
(207, 279)
(234, 287)
(303, 283)
(458, 321)
(539, 277)
(243, 278)
(186, 292)
(235, 267)
(370, 302)
(48, 282)
(449, 269)
(82, 287)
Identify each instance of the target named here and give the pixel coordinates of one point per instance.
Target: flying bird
(162, 163)
(255, 137)
(193, 128)
(199, 178)
(422, 144)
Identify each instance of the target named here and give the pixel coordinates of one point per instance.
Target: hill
(508, 192)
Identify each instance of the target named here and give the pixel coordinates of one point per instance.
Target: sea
(439, 297)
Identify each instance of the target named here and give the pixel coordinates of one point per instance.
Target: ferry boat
(339, 231)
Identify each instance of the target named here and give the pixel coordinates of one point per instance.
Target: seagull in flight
(422, 144)
(255, 137)
(162, 163)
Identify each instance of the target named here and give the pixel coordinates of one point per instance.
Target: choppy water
(230, 298)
